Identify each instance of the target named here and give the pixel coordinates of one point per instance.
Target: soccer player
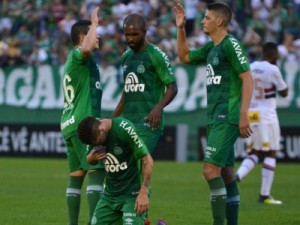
(265, 140)
(229, 90)
(149, 82)
(128, 166)
(82, 97)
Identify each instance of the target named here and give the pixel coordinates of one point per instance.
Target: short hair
(87, 130)
(268, 49)
(223, 9)
(135, 20)
(80, 27)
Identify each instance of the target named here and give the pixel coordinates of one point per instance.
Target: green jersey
(224, 63)
(146, 75)
(82, 91)
(122, 164)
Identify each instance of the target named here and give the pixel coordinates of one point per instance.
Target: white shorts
(265, 137)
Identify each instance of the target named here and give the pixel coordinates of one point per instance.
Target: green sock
(233, 202)
(94, 190)
(218, 200)
(73, 195)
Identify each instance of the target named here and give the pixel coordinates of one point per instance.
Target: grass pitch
(32, 192)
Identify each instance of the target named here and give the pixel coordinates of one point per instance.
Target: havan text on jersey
(129, 129)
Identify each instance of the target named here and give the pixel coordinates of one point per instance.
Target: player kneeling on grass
(128, 166)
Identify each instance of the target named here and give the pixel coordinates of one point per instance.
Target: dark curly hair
(87, 130)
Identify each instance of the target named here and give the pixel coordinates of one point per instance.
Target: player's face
(210, 22)
(134, 36)
(102, 133)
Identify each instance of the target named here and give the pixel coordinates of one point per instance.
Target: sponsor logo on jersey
(129, 129)
(211, 78)
(113, 165)
(67, 122)
(238, 50)
(132, 84)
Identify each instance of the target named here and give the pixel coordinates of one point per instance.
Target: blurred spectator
(35, 32)
(191, 12)
(291, 22)
(288, 50)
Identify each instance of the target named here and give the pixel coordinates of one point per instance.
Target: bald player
(149, 82)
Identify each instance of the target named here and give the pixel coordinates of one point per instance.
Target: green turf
(32, 192)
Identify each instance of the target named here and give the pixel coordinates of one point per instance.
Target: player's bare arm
(98, 153)
(142, 200)
(284, 92)
(91, 39)
(120, 107)
(244, 123)
(182, 44)
(154, 116)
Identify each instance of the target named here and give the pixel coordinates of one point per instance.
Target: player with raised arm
(229, 90)
(82, 97)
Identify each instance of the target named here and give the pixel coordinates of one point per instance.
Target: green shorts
(116, 212)
(150, 139)
(76, 155)
(220, 144)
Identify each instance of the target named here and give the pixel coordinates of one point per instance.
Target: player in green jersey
(229, 90)
(149, 82)
(128, 166)
(82, 97)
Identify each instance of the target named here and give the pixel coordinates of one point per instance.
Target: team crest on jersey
(132, 84)
(215, 61)
(118, 150)
(141, 69)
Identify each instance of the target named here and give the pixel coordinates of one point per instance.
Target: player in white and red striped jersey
(265, 139)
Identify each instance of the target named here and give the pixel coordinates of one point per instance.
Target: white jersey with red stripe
(267, 80)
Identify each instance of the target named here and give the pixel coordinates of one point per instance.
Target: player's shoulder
(230, 42)
(264, 65)
(156, 51)
(122, 122)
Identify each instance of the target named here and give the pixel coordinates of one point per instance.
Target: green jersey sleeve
(162, 65)
(129, 135)
(199, 55)
(236, 55)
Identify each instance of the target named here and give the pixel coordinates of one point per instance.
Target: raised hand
(94, 16)
(179, 15)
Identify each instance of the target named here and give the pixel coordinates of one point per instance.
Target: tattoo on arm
(147, 171)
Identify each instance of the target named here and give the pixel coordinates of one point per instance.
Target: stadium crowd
(35, 32)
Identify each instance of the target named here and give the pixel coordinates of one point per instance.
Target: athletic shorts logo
(128, 221)
(132, 84)
(113, 165)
